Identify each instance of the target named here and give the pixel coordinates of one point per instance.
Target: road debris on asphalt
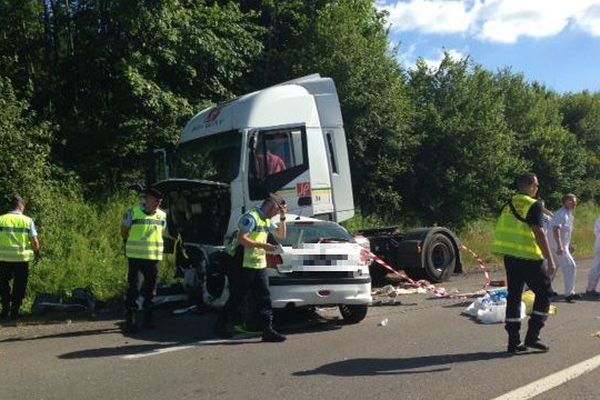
(79, 300)
(383, 322)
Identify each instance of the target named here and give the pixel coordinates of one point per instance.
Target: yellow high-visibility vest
(254, 257)
(15, 244)
(514, 237)
(145, 240)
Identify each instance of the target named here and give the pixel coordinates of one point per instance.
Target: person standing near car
(560, 242)
(19, 245)
(142, 229)
(254, 227)
(520, 238)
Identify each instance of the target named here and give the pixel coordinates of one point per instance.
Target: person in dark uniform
(254, 227)
(19, 245)
(521, 239)
(142, 230)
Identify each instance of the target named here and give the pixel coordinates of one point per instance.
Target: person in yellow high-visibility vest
(19, 245)
(521, 239)
(142, 230)
(254, 227)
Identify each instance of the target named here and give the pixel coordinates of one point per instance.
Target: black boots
(14, 314)
(4, 314)
(514, 348)
(131, 322)
(514, 338)
(514, 343)
(148, 320)
(532, 340)
(11, 315)
(537, 344)
(271, 335)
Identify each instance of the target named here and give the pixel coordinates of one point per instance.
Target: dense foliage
(88, 86)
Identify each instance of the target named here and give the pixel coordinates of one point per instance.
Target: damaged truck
(287, 139)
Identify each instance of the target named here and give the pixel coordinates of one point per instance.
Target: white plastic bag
(492, 314)
(488, 312)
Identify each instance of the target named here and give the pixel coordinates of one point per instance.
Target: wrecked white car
(320, 264)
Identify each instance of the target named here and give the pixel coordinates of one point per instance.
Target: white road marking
(171, 349)
(551, 381)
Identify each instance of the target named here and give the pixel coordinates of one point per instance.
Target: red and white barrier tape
(415, 284)
(430, 287)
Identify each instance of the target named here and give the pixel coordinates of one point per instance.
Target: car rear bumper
(286, 292)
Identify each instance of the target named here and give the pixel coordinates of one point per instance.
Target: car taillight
(273, 260)
(365, 257)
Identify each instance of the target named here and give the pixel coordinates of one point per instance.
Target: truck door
(277, 162)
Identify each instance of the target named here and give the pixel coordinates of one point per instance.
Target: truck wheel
(353, 314)
(440, 258)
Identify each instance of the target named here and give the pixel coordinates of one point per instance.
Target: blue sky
(556, 42)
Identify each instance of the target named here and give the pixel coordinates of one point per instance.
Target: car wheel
(440, 258)
(353, 314)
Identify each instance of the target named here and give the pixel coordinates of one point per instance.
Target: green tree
(25, 150)
(120, 77)
(462, 168)
(533, 114)
(581, 116)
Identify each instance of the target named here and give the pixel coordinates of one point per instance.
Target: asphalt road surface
(427, 350)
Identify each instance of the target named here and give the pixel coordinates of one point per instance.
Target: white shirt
(563, 220)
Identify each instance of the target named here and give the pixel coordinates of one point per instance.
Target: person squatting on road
(560, 242)
(19, 245)
(519, 237)
(143, 228)
(254, 227)
(594, 275)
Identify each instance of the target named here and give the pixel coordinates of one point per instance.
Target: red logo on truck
(303, 189)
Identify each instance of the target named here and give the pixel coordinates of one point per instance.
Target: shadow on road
(190, 331)
(63, 335)
(399, 366)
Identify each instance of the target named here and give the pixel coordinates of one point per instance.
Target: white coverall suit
(564, 220)
(595, 271)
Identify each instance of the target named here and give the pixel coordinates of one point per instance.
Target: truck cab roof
(289, 103)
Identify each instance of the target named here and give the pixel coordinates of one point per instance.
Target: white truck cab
(287, 139)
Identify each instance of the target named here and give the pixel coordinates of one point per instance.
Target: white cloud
(589, 19)
(435, 16)
(502, 21)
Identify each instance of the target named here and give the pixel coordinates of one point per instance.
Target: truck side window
(279, 157)
(334, 167)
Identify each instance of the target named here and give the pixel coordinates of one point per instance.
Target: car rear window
(314, 232)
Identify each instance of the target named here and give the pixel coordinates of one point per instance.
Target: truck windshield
(214, 158)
